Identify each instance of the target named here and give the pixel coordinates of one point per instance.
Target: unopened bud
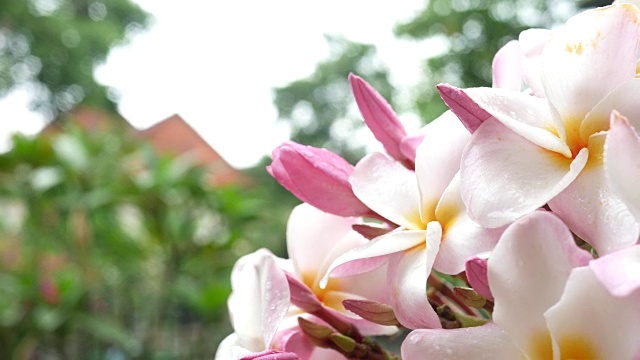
(470, 297)
(316, 333)
(476, 270)
(379, 117)
(317, 177)
(372, 310)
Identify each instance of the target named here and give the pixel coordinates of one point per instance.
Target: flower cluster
(505, 229)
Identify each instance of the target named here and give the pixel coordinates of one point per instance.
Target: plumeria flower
(532, 151)
(434, 230)
(548, 305)
(314, 240)
(258, 302)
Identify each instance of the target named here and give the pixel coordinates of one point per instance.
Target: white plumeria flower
(548, 305)
(531, 151)
(432, 220)
(258, 303)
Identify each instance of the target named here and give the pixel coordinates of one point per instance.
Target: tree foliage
(53, 46)
(321, 109)
(107, 249)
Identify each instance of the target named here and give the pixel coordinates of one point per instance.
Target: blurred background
(135, 136)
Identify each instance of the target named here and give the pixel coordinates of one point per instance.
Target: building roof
(170, 136)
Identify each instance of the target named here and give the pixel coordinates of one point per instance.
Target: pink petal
(601, 42)
(359, 285)
(486, 342)
(589, 323)
(316, 176)
(389, 189)
(621, 162)
(527, 273)
(532, 42)
(379, 117)
(410, 143)
(476, 271)
(470, 114)
(373, 254)
(507, 67)
(294, 340)
(408, 272)
(622, 100)
(504, 176)
(438, 160)
(312, 236)
(619, 272)
(271, 354)
(462, 237)
(591, 209)
(302, 296)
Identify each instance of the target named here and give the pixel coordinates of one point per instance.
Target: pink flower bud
(317, 177)
(271, 354)
(379, 117)
(476, 268)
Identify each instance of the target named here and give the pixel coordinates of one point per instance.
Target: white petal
(461, 236)
(591, 209)
(528, 116)
(527, 272)
(619, 272)
(623, 99)
(311, 236)
(389, 189)
(506, 68)
(224, 351)
(259, 299)
(486, 342)
(408, 272)
(589, 323)
(596, 51)
(532, 42)
(622, 164)
(504, 176)
(373, 254)
(438, 160)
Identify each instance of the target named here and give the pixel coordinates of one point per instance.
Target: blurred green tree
(107, 249)
(470, 32)
(53, 46)
(321, 109)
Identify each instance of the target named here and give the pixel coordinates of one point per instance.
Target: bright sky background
(215, 63)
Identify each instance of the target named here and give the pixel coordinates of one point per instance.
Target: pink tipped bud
(470, 114)
(379, 117)
(302, 296)
(271, 354)
(317, 177)
(476, 269)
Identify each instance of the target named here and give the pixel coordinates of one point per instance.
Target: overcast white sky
(215, 63)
